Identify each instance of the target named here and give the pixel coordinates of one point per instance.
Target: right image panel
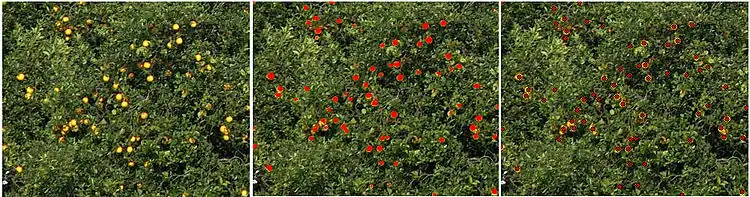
(624, 99)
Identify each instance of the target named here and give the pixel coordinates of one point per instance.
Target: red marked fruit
(667, 44)
(691, 24)
(441, 140)
(419, 43)
(555, 23)
(374, 102)
(394, 42)
(476, 136)
(472, 127)
(628, 148)
(372, 68)
(637, 185)
(369, 148)
(269, 168)
(270, 76)
(365, 85)
(725, 86)
(428, 39)
(587, 21)
(644, 164)
(395, 163)
(698, 113)
(394, 114)
(477, 86)
(554, 89)
(644, 43)
(459, 66)
(305, 7)
(425, 26)
(345, 128)
(316, 18)
(565, 38)
(311, 138)
(690, 140)
(448, 56)
(619, 186)
(478, 118)
(381, 163)
(308, 22)
(564, 19)
(418, 72)
(630, 45)
(380, 148)
(666, 73)
(335, 99)
(318, 30)
(443, 23)
(400, 77)
(494, 191)
(618, 149)
(339, 21)
(382, 45)
(355, 77)
(686, 74)
(554, 8)
(397, 64)
(642, 115)
(544, 100)
(368, 96)
(723, 137)
(673, 27)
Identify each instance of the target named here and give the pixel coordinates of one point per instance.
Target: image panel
(375, 99)
(634, 99)
(126, 99)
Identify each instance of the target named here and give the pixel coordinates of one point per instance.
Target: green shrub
(684, 152)
(63, 122)
(305, 159)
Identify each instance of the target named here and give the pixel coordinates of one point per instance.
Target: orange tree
(375, 98)
(624, 98)
(128, 99)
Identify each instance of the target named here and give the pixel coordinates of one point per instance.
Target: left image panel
(103, 99)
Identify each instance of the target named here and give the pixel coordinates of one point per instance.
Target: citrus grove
(126, 99)
(624, 98)
(375, 99)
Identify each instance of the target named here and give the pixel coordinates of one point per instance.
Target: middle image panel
(375, 99)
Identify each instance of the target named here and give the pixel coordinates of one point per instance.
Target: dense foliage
(375, 98)
(126, 99)
(624, 98)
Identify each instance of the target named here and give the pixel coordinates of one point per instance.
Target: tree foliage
(624, 98)
(430, 81)
(105, 99)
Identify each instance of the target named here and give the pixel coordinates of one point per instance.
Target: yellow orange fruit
(85, 100)
(147, 65)
(130, 149)
(145, 43)
(178, 41)
(193, 24)
(198, 57)
(144, 115)
(20, 77)
(105, 78)
(119, 149)
(118, 97)
(65, 19)
(68, 32)
(124, 104)
(150, 78)
(176, 27)
(228, 119)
